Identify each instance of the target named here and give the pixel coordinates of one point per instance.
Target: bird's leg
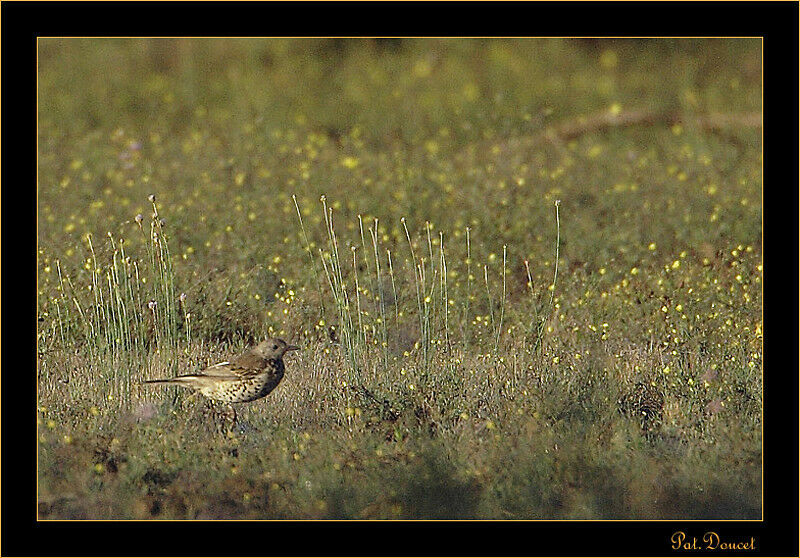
(226, 420)
(217, 415)
(232, 415)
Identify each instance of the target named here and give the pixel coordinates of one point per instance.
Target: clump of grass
(162, 303)
(537, 314)
(132, 309)
(428, 374)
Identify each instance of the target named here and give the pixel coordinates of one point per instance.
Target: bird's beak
(292, 348)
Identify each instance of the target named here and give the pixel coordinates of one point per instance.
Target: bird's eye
(274, 347)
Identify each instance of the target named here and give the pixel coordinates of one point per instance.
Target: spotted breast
(246, 387)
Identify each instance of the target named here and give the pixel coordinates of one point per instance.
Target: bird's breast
(246, 388)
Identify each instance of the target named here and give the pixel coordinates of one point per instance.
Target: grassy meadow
(525, 276)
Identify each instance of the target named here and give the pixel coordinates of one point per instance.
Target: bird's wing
(247, 364)
(219, 370)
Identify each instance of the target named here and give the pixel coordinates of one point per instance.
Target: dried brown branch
(557, 134)
(571, 129)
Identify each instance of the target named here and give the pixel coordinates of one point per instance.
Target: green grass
(472, 293)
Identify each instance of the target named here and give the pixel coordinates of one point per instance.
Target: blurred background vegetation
(456, 380)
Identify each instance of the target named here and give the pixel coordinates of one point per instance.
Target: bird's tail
(180, 380)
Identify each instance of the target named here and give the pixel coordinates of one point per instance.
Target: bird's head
(274, 348)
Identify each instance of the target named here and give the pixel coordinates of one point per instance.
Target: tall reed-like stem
(310, 256)
(381, 300)
(552, 288)
(468, 295)
(418, 278)
(488, 294)
(502, 302)
(444, 293)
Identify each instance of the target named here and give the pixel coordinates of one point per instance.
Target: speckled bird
(644, 402)
(250, 376)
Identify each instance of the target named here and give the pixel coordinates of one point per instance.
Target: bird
(247, 377)
(646, 403)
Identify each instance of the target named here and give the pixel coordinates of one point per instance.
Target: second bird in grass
(250, 376)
